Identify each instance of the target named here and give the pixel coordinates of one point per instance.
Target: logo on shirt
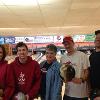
(21, 79)
(70, 63)
(44, 70)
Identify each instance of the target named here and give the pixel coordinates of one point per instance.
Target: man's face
(50, 55)
(22, 53)
(1, 54)
(69, 46)
(97, 41)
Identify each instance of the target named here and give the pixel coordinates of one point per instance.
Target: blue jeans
(73, 98)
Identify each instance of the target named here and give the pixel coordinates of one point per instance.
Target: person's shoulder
(63, 55)
(12, 63)
(5, 62)
(81, 53)
(34, 64)
(34, 61)
(93, 54)
(56, 62)
(57, 65)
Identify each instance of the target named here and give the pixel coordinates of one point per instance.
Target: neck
(97, 49)
(23, 60)
(50, 61)
(71, 52)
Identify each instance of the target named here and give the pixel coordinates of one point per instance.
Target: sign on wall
(1, 40)
(29, 39)
(19, 39)
(58, 39)
(10, 40)
(79, 38)
(43, 39)
(84, 38)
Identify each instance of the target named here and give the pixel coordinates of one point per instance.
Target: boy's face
(22, 52)
(50, 55)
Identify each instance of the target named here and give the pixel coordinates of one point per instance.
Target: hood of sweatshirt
(29, 59)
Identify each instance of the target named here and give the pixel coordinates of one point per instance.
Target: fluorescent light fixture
(19, 2)
(45, 1)
(25, 2)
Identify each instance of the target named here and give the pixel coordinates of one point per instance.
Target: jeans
(73, 98)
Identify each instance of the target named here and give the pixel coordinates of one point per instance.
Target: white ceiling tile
(19, 2)
(59, 14)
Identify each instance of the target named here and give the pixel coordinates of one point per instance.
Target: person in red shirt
(27, 74)
(6, 77)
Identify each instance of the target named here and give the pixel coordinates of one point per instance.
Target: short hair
(52, 47)
(4, 51)
(97, 32)
(21, 44)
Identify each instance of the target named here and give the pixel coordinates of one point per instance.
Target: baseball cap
(67, 39)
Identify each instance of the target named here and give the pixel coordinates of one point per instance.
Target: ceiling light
(45, 1)
(19, 2)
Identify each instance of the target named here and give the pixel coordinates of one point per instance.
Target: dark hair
(97, 32)
(4, 52)
(52, 47)
(21, 44)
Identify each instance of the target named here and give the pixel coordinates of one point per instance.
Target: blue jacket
(53, 81)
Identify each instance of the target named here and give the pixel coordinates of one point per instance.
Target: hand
(1, 98)
(77, 80)
(1, 92)
(27, 97)
(97, 98)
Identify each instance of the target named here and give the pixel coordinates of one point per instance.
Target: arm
(59, 84)
(53, 83)
(83, 78)
(85, 75)
(1, 98)
(97, 98)
(85, 72)
(9, 89)
(36, 85)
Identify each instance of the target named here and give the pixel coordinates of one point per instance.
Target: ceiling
(48, 17)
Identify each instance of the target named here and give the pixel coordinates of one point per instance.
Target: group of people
(26, 79)
(21, 78)
(86, 82)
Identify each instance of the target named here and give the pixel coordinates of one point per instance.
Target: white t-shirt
(80, 62)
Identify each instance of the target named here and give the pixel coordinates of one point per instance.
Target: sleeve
(36, 85)
(63, 58)
(86, 65)
(58, 84)
(9, 89)
(85, 60)
(62, 72)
